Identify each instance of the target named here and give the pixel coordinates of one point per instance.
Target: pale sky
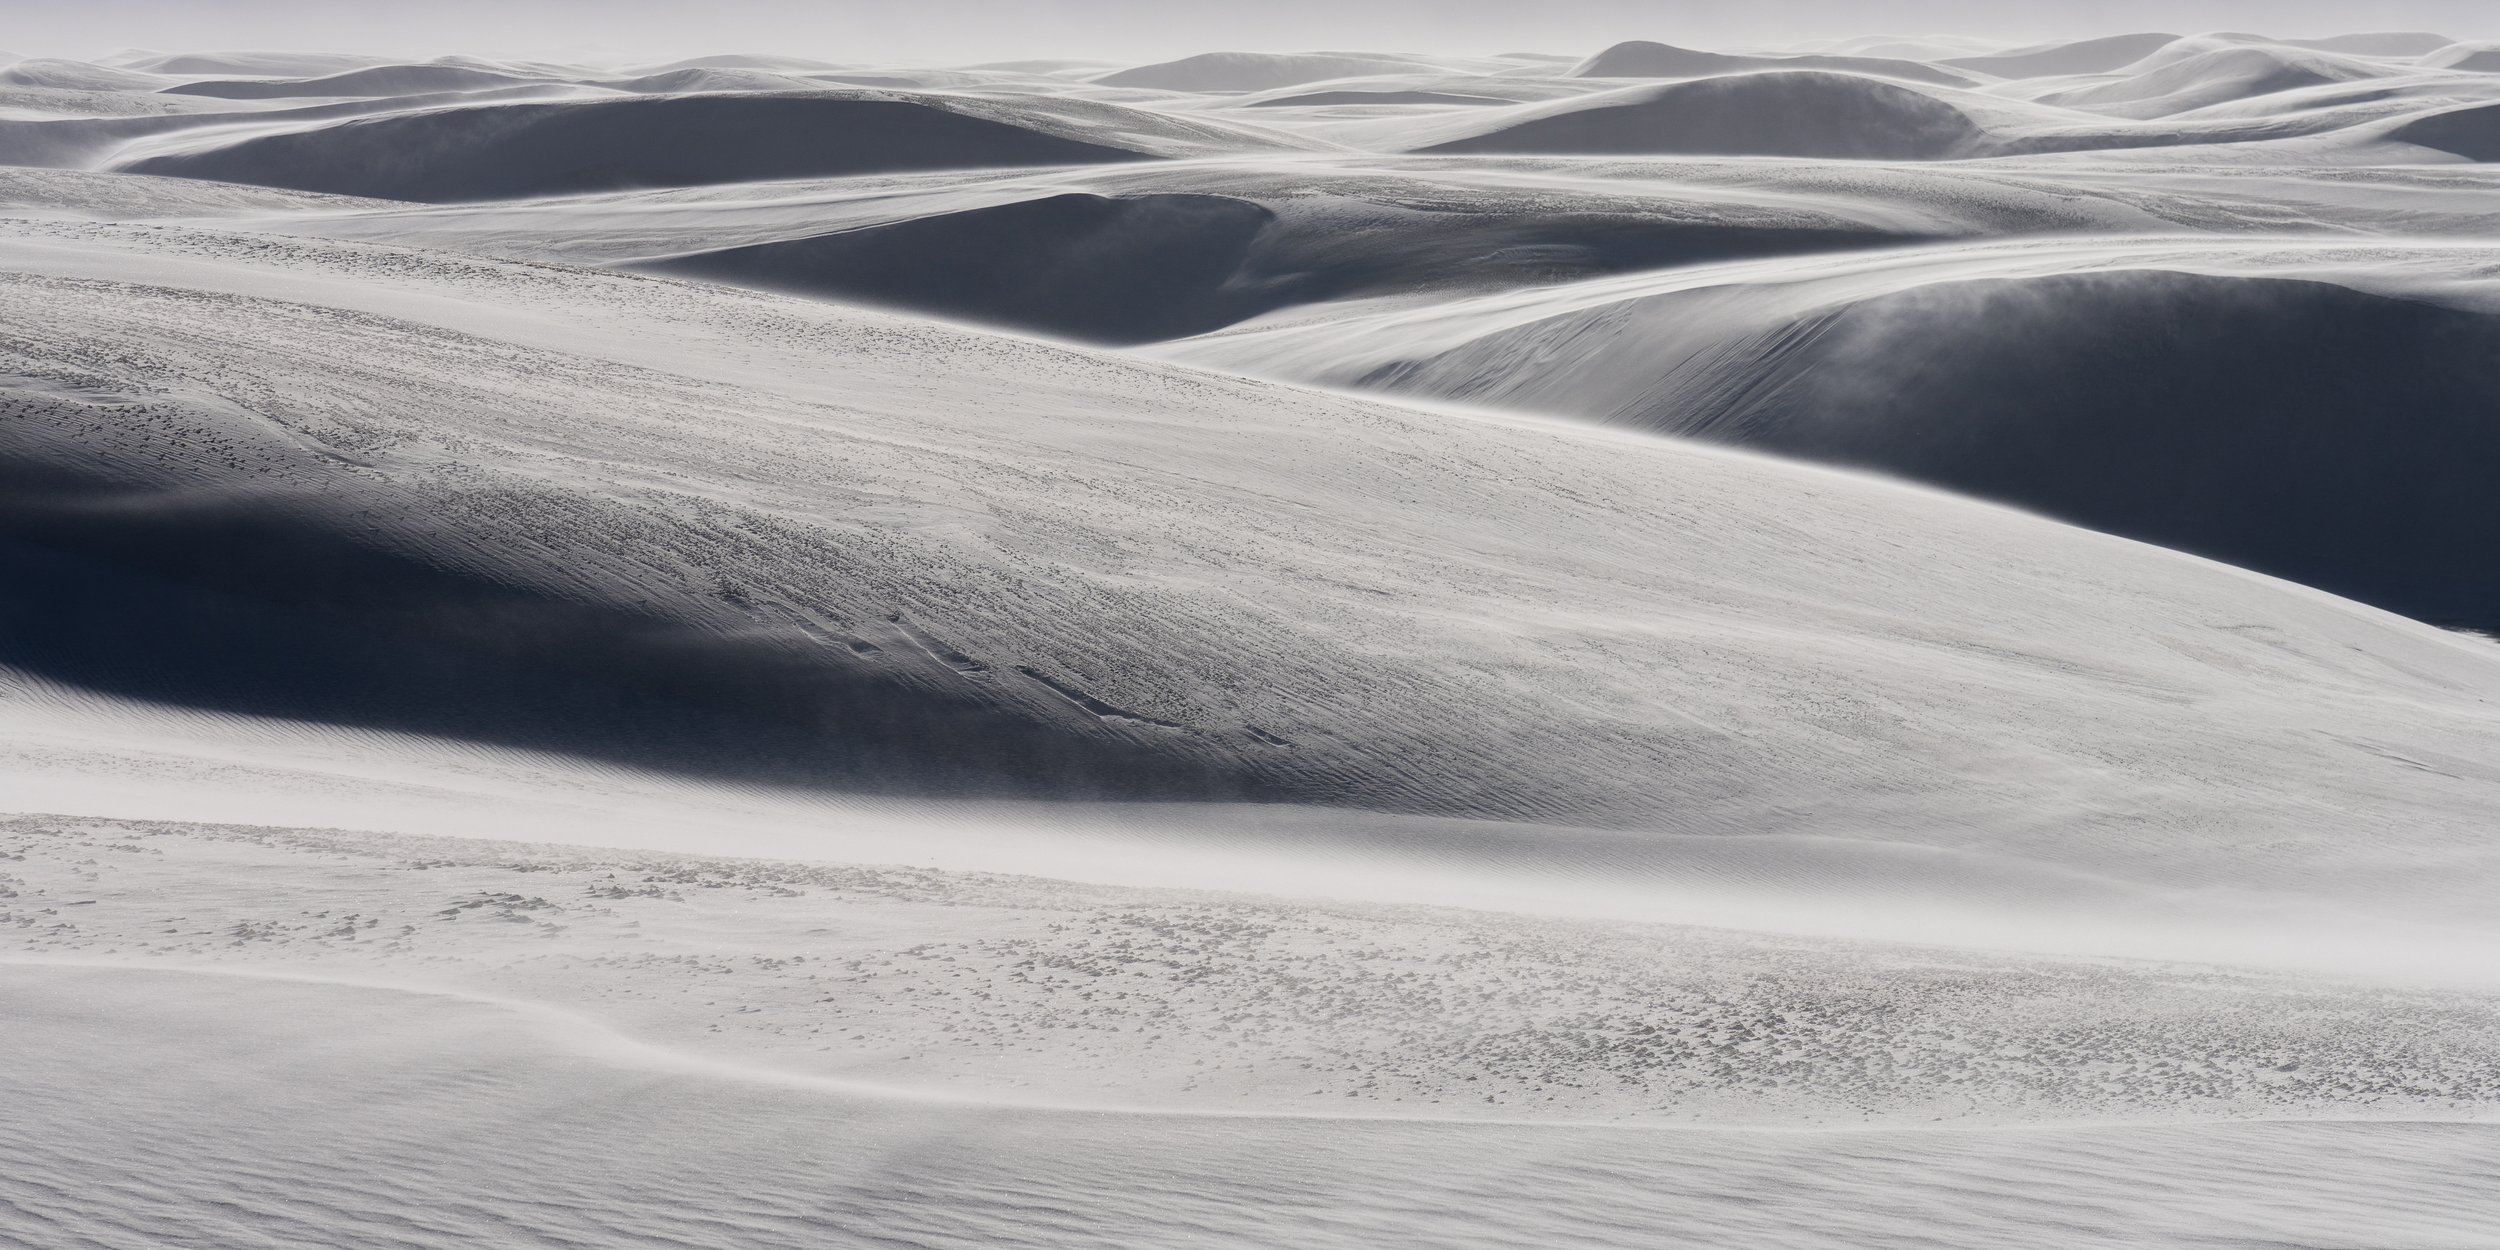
(942, 31)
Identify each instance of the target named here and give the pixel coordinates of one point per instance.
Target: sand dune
(76, 76)
(1317, 98)
(255, 64)
(1125, 270)
(1148, 266)
(2479, 58)
(2269, 422)
(377, 80)
(959, 598)
(2207, 78)
(1767, 114)
(2321, 434)
(88, 141)
(568, 148)
(2473, 133)
(1641, 59)
(695, 79)
(2080, 56)
(1871, 644)
(2378, 43)
(1255, 71)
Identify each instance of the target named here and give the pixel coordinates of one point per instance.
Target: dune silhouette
(1801, 113)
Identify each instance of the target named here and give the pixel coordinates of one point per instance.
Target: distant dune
(380, 80)
(2216, 76)
(1376, 97)
(1768, 114)
(1643, 59)
(75, 76)
(2378, 43)
(497, 151)
(2080, 56)
(1253, 71)
(696, 79)
(256, 64)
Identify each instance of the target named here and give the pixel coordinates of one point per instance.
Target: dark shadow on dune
(516, 150)
(1808, 114)
(245, 603)
(1130, 269)
(1135, 269)
(2328, 436)
(2473, 133)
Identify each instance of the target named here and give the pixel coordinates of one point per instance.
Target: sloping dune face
(1767, 114)
(514, 150)
(1130, 269)
(751, 537)
(2318, 432)
(2473, 133)
(2323, 434)
(1143, 265)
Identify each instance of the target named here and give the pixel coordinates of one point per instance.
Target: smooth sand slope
(789, 557)
(2221, 399)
